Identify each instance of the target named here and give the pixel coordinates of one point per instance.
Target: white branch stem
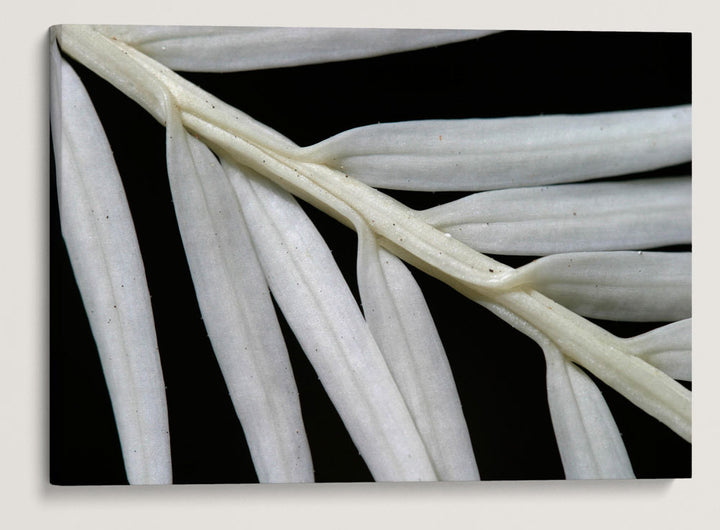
(397, 227)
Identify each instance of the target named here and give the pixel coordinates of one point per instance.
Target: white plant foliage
(474, 154)
(628, 286)
(400, 320)
(383, 366)
(233, 49)
(235, 303)
(588, 439)
(319, 306)
(100, 238)
(570, 217)
(668, 348)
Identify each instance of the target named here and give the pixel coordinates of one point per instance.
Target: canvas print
(353, 255)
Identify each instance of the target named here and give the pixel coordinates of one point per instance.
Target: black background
(499, 372)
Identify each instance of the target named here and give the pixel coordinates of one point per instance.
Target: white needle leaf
(226, 49)
(570, 217)
(105, 256)
(588, 438)
(483, 154)
(398, 316)
(626, 286)
(668, 348)
(327, 321)
(589, 441)
(237, 310)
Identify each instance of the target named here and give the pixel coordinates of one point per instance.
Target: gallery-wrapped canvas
(352, 255)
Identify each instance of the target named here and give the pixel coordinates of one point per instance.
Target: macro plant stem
(397, 228)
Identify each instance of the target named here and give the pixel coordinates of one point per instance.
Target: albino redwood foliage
(414, 408)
